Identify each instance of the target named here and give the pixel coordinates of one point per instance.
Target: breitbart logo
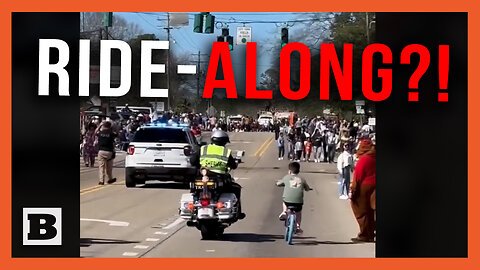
(42, 226)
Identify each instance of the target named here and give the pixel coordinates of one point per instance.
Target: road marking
(110, 222)
(152, 239)
(265, 148)
(173, 224)
(141, 247)
(261, 147)
(210, 250)
(130, 254)
(242, 178)
(98, 187)
(162, 233)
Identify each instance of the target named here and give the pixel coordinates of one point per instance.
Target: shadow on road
(165, 185)
(250, 237)
(321, 172)
(315, 242)
(254, 237)
(86, 242)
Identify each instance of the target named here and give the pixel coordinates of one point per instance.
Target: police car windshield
(163, 135)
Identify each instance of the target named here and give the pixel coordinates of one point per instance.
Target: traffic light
(209, 23)
(225, 37)
(284, 36)
(107, 19)
(204, 22)
(230, 42)
(225, 32)
(198, 23)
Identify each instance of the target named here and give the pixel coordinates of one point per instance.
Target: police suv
(160, 152)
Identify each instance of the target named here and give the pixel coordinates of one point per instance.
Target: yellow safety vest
(214, 158)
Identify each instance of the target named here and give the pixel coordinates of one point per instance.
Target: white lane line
(130, 254)
(243, 178)
(162, 224)
(161, 233)
(210, 250)
(110, 222)
(173, 224)
(152, 239)
(141, 247)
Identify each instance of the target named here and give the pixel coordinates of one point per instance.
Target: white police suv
(160, 152)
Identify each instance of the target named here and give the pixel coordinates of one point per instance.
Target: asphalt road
(143, 222)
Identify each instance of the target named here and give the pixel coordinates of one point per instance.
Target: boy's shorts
(297, 206)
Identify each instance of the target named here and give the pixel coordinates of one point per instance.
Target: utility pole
(198, 76)
(367, 26)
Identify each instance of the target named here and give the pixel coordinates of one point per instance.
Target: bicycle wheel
(291, 224)
(286, 226)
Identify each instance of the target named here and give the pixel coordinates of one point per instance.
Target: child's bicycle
(290, 224)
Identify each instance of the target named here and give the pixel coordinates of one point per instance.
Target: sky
(266, 29)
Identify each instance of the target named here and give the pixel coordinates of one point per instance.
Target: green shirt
(294, 187)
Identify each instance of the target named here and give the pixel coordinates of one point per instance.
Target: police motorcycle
(210, 207)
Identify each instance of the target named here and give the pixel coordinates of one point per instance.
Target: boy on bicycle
(293, 192)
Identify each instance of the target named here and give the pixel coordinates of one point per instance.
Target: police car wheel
(130, 181)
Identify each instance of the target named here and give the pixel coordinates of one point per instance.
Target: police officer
(218, 159)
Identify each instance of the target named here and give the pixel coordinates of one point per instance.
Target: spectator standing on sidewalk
(308, 149)
(344, 166)
(281, 146)
(332, 140)
(106, 153)
(298, 149)
(324, 145)
(291, 144)
(89, 146)
(317, 145)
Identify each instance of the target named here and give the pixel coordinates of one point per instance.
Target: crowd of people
(351, 146)
(318, 139)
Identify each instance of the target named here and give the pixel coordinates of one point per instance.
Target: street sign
(211, 111)
(359, 102)
(371, 121)
(360, 110)
(244, 35)
(178, 19)
(158, 106)
(96, 101)
(222, 113)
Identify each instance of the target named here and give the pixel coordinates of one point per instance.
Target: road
(143, 222)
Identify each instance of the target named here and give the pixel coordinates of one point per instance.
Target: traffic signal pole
(198, 76)
(168, 62)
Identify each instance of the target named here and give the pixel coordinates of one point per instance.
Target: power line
(154, 26)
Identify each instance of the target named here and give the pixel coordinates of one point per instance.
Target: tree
(337, 28)
(91, 23)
